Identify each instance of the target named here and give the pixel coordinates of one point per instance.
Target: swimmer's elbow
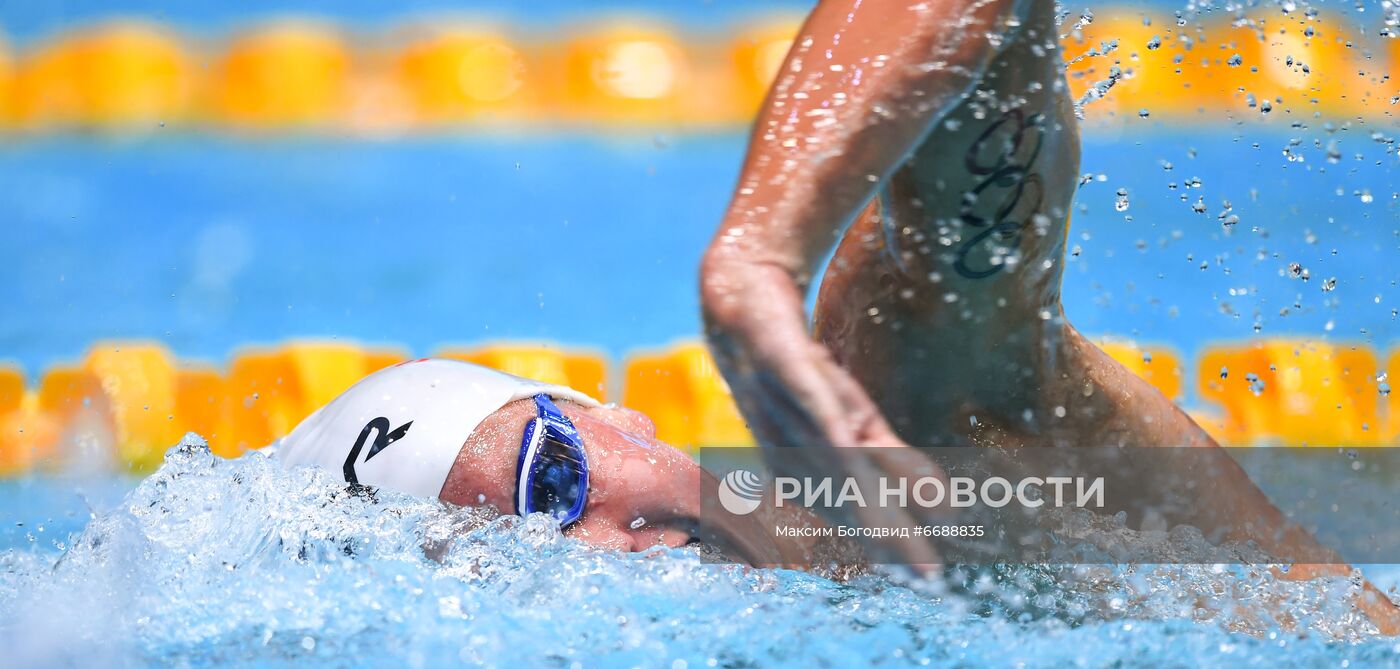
(719, 271)
(730, 283)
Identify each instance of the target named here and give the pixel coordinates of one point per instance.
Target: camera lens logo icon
(740, 492)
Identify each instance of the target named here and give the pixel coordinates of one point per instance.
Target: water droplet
(1120, 200)
(1256, 385)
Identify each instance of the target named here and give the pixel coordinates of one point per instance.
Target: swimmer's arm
(864, 83)
(862, 86)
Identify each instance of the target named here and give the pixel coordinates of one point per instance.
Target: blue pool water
(595, 240)
(212, 561)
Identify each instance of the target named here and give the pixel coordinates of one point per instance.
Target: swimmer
(473, 436)
(934, 145)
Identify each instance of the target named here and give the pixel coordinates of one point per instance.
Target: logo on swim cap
(740, 492)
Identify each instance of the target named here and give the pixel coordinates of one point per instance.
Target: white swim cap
(402, 427)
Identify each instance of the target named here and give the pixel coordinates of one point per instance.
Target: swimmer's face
(642, 493)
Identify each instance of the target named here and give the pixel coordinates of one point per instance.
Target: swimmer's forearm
(863, 84)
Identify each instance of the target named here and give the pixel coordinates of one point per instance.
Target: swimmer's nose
(641, 493)
(652, 502)
(635, 522)
(639, 498)
(641, 503)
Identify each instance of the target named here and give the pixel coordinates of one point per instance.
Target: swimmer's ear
(626, 419)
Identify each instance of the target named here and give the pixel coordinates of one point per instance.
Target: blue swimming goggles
(552, 475)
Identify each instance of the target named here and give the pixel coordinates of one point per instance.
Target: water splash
(216, 561)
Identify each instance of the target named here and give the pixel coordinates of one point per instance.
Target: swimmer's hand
(810, 415)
